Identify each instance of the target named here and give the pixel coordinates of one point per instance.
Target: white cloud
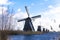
(50, 6)
(52, 14)
(20, 15)
(55, 10)
(19, 10)
(5, 2)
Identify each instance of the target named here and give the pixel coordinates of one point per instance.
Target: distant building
(47, 30)
(43, 29)
(39, 28)
(59, 25)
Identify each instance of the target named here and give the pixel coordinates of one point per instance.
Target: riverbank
(17, 32)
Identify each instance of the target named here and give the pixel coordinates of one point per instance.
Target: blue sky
(48, 9)
(35, 6)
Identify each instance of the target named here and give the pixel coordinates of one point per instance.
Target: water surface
(46, 36)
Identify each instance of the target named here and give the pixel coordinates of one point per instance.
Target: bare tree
(6, 19)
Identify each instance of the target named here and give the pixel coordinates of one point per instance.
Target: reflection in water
(47, 36)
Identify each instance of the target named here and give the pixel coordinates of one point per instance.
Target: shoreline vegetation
(17, 32)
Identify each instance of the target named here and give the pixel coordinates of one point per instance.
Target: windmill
(51, 28)
(59, 25)
(39, 28)
(28, 26)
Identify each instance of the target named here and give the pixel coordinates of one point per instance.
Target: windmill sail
(27, 11)
(21, 20)
(36, 16)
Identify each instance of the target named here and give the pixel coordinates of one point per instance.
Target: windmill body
(28, 25)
